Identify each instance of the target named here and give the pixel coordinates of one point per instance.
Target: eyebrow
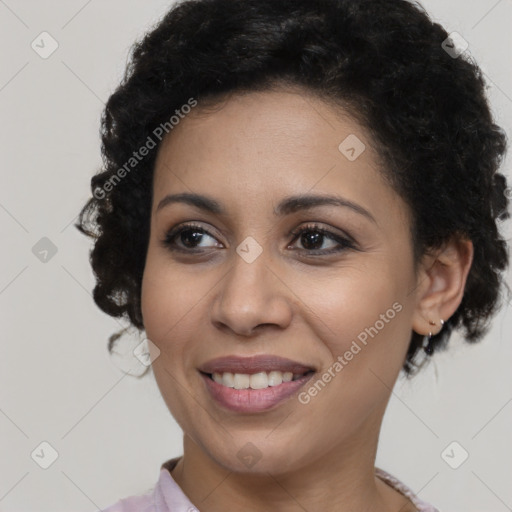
(287, 206)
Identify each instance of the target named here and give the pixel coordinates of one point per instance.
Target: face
(242, 280)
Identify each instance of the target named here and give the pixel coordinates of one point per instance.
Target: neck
(341, 480)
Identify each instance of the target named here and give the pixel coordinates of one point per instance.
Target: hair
(384, 62)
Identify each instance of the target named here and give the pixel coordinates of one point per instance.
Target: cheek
(167, 305)
(364, 317)
(167, 299)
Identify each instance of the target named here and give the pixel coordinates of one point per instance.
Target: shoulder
(163, 497)
(141, 503)
(421, 506)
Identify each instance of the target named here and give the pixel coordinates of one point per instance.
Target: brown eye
(187, 238)
(193, 238)
(313, 238)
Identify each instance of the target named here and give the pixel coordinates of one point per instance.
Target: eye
(186, 238)
(191, 237)
(313, 237)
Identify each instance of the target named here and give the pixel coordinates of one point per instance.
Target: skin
(248, 154)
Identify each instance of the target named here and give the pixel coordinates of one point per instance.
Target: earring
(426, 344)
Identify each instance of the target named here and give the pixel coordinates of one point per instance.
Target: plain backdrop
(109, 431)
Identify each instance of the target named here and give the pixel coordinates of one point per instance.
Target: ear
(440, 285)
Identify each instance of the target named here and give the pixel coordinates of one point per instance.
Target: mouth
(259, 380)
(253, 384)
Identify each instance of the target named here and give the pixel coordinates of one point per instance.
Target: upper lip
(254, 364)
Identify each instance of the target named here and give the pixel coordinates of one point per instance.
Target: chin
(257, 456)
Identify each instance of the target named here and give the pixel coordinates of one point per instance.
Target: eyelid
(183, 226)
(344, 241)
(327, 231)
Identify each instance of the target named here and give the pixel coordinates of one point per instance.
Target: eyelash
(344, 242)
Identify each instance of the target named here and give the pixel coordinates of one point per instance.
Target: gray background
(57, 383)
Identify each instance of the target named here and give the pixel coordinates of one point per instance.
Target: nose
(252, 296)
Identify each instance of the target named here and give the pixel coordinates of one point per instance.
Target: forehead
(253, 148)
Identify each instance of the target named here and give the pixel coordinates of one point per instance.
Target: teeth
(259, 380)
(242, 381)
(275, 378)
(228, 379)
(287, 376)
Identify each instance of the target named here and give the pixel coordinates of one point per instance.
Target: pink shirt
(167, 495)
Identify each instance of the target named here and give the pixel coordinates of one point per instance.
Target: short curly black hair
(384, 61)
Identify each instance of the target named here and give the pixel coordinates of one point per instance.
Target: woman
(299, 199)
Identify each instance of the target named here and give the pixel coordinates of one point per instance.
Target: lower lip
(253, 400)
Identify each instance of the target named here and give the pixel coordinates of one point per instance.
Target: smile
(253, 384)
(260, 380)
